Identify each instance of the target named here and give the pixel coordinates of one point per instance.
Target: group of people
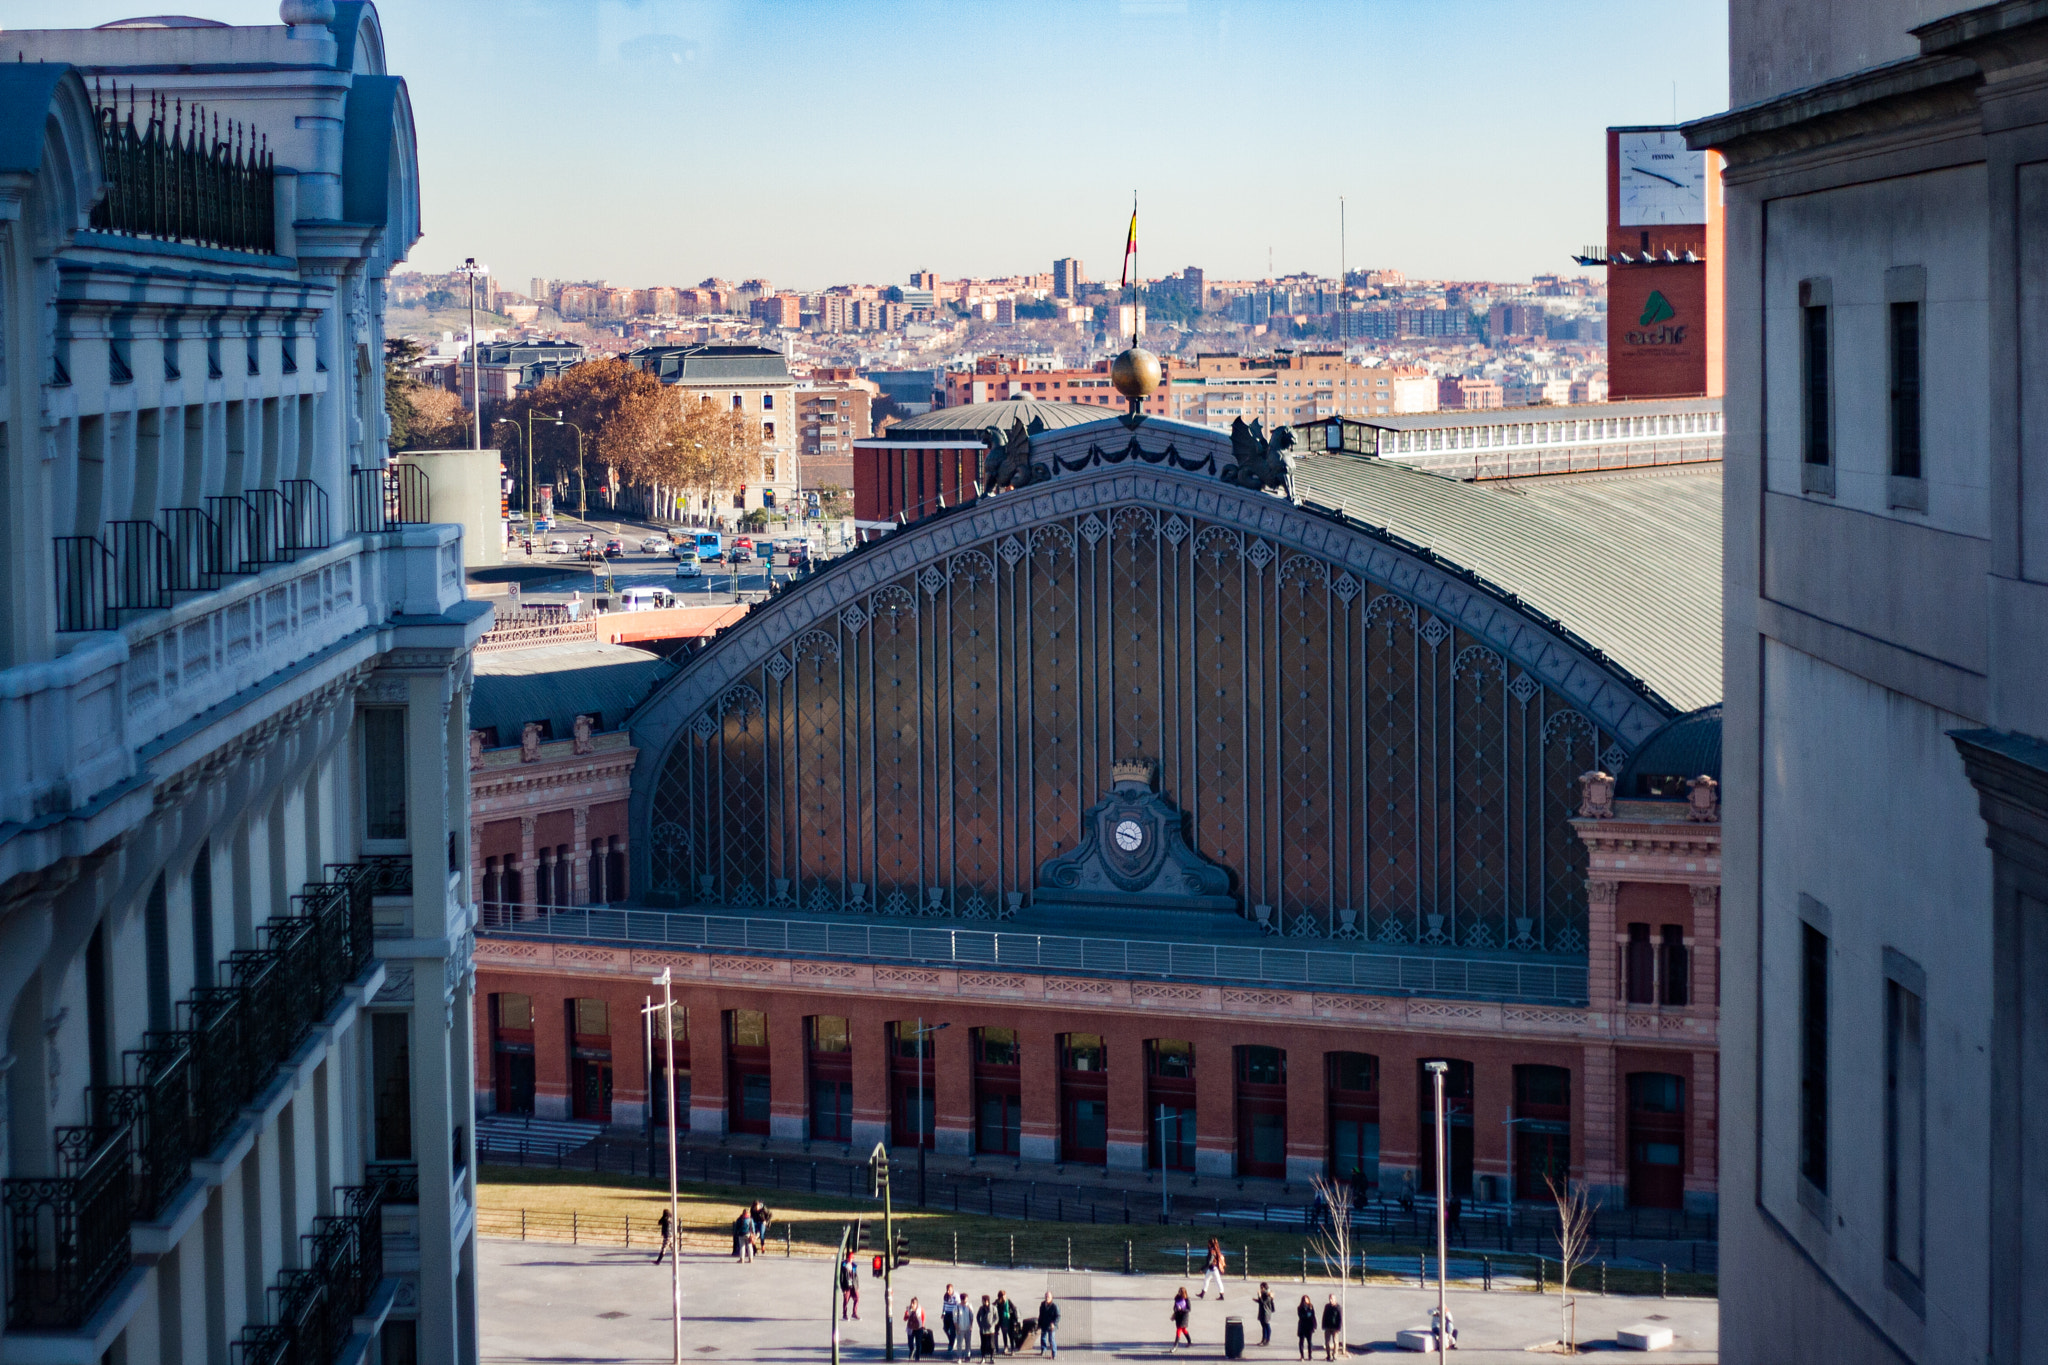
(750, 1231)
(997, 1325)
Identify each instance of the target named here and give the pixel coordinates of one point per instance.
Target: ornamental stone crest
(1133, 857)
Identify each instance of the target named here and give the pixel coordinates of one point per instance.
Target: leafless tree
(1332, 1242)
(1574, 1244)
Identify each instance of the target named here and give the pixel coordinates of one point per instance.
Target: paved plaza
(559, 1304)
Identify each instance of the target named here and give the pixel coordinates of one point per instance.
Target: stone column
(1600, 1145)
(579, 852)
(1308, 1113)
(1706, 946)
(1215, 1103)
(707, 1062)
(868, 1035)
(789, 1080)
(1702, 1176)
(952, 1081)
(529, 869)
(1493, 1094)
(1124, 1043)
(1039, 1090)
(1603, 942)
(1400, 1115)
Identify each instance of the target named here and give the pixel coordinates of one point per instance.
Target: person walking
(849, 1288)
(948, 1306)
(913, 1326)
(1333, 1325)
(985, 1320)
(762, 1218)
(1006, 1319)
(667, 1234)
(1181, 1309)
(1264, 1303)
(1304, 1328)
(1212, 1270)
(743, 1236)
(1048, 1324)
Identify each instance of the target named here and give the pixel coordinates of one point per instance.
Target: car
(558, 547)
(689, 568)
(744, 543)
(743, 553)
(678, 550)
(653, 545)
(615, 546)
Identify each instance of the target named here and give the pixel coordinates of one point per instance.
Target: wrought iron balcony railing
(312, 1308)
(138, 566)
(183, 178)
(67, 1235)
(390, 496)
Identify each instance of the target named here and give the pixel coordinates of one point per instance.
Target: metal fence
(1449, 975)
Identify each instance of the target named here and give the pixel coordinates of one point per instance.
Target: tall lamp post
(476, 273)
(582, 484)
(675, 1226)
(922, 1034)
(1443, 1321)
(1165, 1207)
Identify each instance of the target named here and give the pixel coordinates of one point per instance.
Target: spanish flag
(1131, 245)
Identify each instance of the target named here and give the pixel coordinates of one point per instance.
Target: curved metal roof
(1630, 563)
(1687, 746)
(971, 419)
(555, 683)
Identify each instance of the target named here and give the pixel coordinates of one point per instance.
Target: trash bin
(1233, 1338)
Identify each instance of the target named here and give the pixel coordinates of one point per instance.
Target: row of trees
(637, 438)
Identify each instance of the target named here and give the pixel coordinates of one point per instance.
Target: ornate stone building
(1363, 699)
(234, 672)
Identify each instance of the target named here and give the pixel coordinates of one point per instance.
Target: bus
(710, 547)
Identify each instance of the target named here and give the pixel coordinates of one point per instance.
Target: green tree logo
(1657, 308)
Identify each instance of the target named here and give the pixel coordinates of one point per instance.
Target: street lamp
(1436, 1071)
(1165, 1206)
(475, 273)
(922, 1033)
(675, 1226)
(582, 484)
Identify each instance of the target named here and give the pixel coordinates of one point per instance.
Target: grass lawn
(614, 1210)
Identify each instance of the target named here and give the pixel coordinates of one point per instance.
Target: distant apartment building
(928, 280)
(1458, 392)
(506, 370)
(1066, 277)
(1505, 321)
(1394, 324)
(778, 310)
(912, 392)
(1589, 390)
(830, 416)
(749, 379)
(995, 378)
(1289, 388)
(1531, 392)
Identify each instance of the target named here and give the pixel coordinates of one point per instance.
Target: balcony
(313, 1308)
(67, 1236)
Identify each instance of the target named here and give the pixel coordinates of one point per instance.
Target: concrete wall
(464, 488)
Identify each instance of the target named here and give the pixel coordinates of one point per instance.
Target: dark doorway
(1170, 1103)
(1656, 1140)
(1354, 1105)
(1084, 1098)
(1262, 1111)
(1542, 1129)
(746, 1045)
(998, 1092)
(831, 1064)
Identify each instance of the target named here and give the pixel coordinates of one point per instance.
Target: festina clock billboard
(1657, 331)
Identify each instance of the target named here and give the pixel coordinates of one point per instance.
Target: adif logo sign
(1657, 309)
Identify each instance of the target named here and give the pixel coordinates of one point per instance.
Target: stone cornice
(1278, 1004)
(1914, 92)
(487, 783)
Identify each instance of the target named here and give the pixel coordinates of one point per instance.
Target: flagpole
(1134, 268)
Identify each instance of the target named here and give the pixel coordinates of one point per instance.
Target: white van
(644, 599)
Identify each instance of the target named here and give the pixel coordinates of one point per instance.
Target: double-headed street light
(476, 275)
(1436, 1070)
(675, 1225)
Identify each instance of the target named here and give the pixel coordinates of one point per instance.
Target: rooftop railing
(183, 177)
(1503, 978)
(387, 497)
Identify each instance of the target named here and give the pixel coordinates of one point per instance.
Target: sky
(809, 143)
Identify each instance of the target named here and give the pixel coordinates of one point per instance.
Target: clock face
(1129, 834)
(1662, 180)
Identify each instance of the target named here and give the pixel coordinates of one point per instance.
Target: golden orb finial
(1135, 373)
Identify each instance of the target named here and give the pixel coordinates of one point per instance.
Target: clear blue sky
(662, 141)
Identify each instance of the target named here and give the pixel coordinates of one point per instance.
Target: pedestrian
(949, 1307)
(1048, 1323)
(762, 1218)
(667, 1230)
(1333, 1326)
(743, 1237)
(1006, 1318)
(1181, 1308)
(963, 1314)
(1212, 1270)
(1304, 1328)
(1457, 1213)
(985, 1321)
(1437, 1327)
(1264, 1303)
(1407, 1200)
(1360, 1191)
(913, 1326)
(849, 1288)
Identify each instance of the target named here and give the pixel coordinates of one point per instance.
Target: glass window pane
(593, 1017)
(749, 1028)
(384, 773)
(515, 1011)
(754, 1098)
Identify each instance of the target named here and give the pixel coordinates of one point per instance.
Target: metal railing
(139, 565)
(67, 1235)
(178, 179)
(1389, 973)
(389, 496)
(313, 1308)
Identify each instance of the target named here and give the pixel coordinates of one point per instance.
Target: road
(720, 585)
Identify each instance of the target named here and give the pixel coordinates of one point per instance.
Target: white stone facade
(234, 932)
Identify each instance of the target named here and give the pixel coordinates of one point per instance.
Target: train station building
(1170, 803)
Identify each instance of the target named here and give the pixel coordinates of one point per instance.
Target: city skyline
(1431, 151)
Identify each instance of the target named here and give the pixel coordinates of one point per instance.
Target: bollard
(1244, 1263)
(1070, 1254)
(1127, 1255)
(522, 1225)
(1304, 1265)
(956, 1247)
(1186, 1261)
(572, 1228)
(785, 1241)
(1421, 1271)
(1663, 1281)
(1539, 1274)
(1486, 1273)
(1013, 1251)
(629, 1232)
(1603, 1279)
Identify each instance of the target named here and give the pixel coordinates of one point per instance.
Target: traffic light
(860, 1235)
(878, 1267)
(901, 1252)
